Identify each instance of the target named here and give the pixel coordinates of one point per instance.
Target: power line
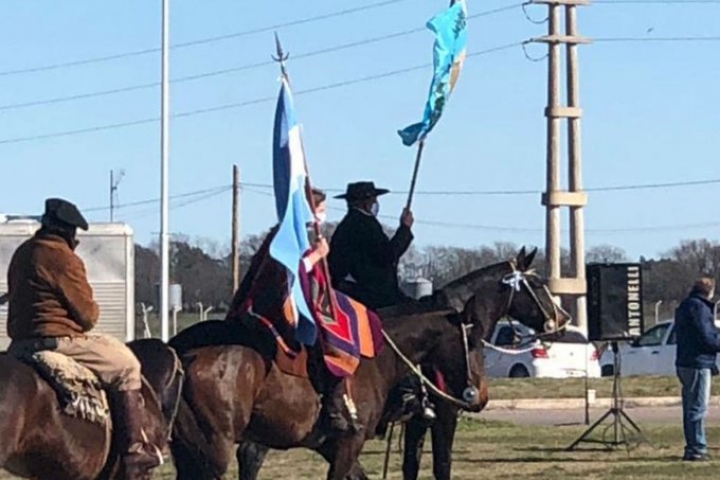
(230, 106)
(154, 211)
(147, 51)
(609, 188)
(635, 2)
(156, 200)
(270, 28)
(114, 126)
(249, 66)
(202, 195)
(261, 188)
(656, 39)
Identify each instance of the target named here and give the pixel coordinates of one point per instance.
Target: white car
(568, 355)
(652, 353)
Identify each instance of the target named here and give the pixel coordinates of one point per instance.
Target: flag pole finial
(281, 57)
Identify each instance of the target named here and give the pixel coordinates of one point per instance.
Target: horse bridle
(516, 280)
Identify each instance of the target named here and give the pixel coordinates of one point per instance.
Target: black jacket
(359, 248)
(697, 336)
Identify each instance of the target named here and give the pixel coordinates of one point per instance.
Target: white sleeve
(308, 266)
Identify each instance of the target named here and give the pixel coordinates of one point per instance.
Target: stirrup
(429, 414)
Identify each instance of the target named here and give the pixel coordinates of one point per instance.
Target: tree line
(203, 268)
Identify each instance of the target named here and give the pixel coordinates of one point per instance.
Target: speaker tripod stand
(622, 434)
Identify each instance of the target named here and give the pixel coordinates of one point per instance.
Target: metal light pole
(657, 311)
(164, 144)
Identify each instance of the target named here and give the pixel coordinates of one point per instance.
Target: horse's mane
(472, 277)
(457, 292)
(451, 297)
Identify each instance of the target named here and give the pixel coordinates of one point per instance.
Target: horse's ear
(529, 259)
(520, 259)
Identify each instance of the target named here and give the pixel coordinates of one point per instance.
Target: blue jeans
(695, 399)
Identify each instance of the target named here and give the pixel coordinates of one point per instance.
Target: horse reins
(423, 379)
(516, 280)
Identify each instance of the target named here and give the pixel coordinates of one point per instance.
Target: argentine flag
(291, 240)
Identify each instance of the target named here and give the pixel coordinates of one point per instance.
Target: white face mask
(321, 217)
(375, 209)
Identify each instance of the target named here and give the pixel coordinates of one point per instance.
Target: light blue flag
(291, 240)
(448, 55)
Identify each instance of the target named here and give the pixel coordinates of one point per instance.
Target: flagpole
(418, 157)
(281, 59)
(164, 143)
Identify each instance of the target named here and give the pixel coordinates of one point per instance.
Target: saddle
(78, 389)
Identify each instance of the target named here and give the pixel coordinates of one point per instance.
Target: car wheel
(519, 371)
(607, 371)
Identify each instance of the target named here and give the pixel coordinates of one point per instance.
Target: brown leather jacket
(49, 294)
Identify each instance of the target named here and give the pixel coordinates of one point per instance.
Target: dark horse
(232, 393)
(40, 441)
(251, 455)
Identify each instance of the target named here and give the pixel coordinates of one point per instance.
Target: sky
(651, 115)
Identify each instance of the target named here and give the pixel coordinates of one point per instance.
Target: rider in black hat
(363, 260)
(363, 264)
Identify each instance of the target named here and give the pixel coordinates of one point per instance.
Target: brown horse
(40, 441)
(234, 393)
(251, 455)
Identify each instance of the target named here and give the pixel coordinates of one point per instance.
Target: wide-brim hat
(65, 213)
(362, 191)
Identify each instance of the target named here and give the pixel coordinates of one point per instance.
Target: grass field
(494, 450)
(646, 386)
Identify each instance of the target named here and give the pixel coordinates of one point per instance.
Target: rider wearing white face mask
(363, 260)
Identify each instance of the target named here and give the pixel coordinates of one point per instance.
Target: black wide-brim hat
(63, 212)
(362, 191)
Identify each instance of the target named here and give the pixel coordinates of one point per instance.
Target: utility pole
(112, 196)
(235, 229)
(574, 197)
(114, 183)
(164, 160)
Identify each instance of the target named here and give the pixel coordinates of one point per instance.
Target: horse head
(510, 288)
(479, 300)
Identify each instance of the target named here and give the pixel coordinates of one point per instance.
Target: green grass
(496, 450)
(645, 386)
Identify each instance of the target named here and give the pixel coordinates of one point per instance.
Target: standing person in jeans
(698, 342)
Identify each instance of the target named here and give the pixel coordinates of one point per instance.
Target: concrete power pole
(235, 256)
(555, 197)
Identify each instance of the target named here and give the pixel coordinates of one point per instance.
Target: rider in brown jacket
(51, 307)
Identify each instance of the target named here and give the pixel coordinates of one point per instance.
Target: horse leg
(250, 457)
(443, 435)
(187, 466)
(415, 430)
(328, 451)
